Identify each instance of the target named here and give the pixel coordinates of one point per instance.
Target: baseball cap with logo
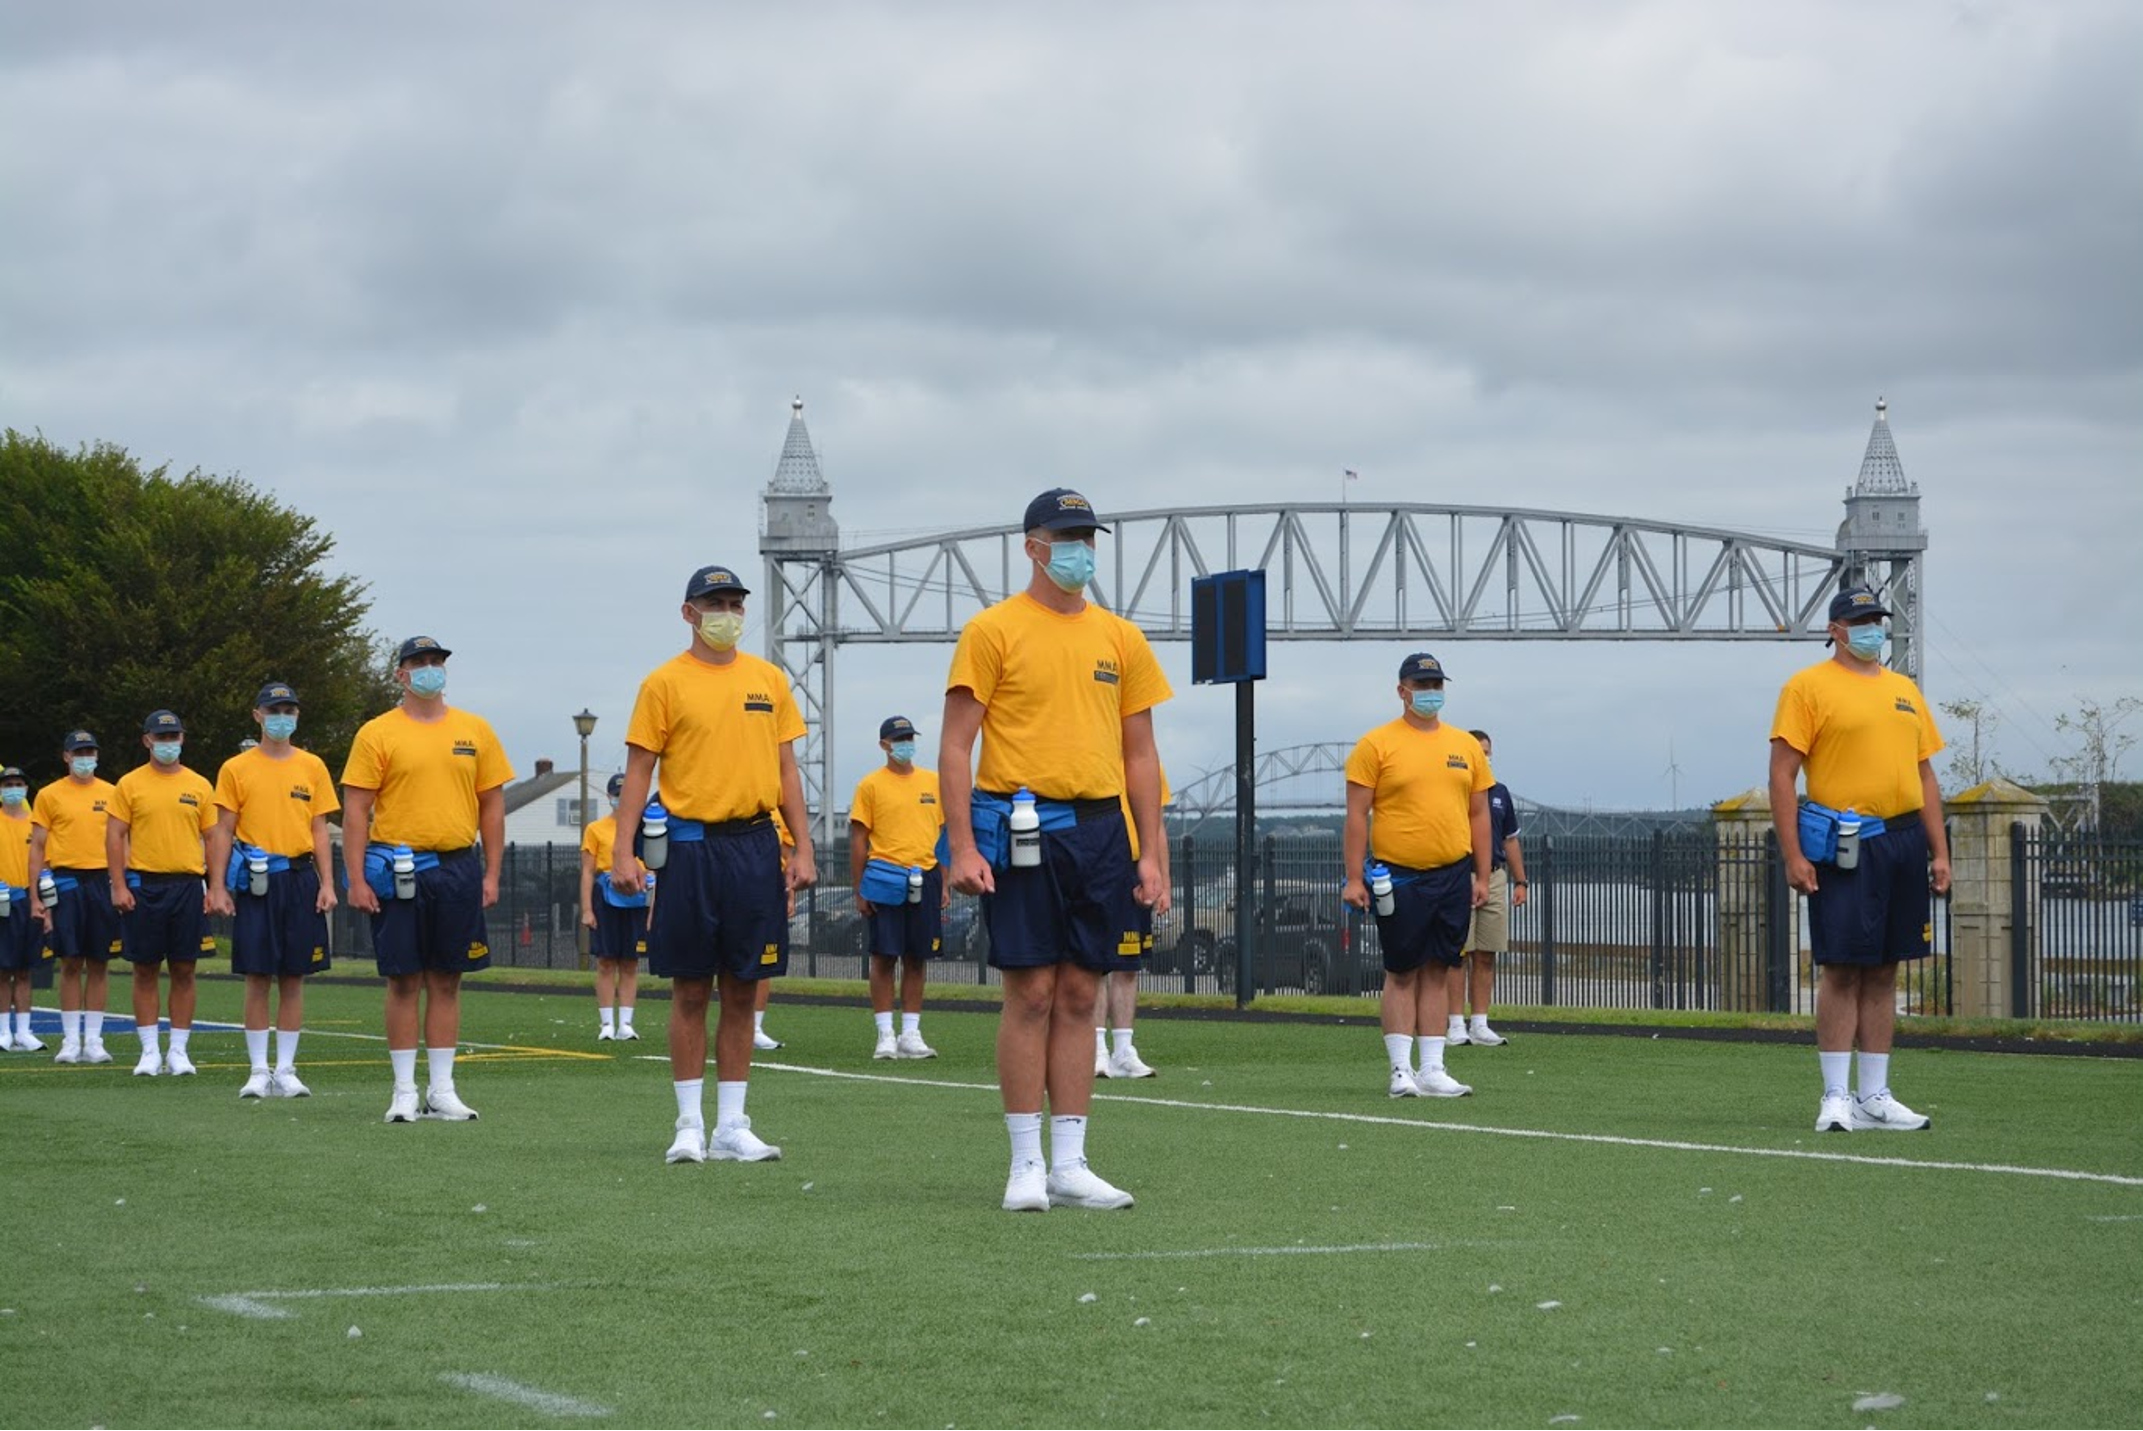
(275, 693)
(616, 787)
(163, 723)
(1421, 666)
(1060, 509)
(13, 772)
(418, 646)
(711, 579)
(1855, 602)
(78, 740)
(896, 728)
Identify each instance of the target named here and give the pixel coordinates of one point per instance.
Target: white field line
(262, 1305)
(123, 1026)
(550, 1403)
(1264, 1251)
(2118, 1217)
(1609, 1139)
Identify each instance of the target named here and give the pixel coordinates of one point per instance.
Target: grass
(869, 1278)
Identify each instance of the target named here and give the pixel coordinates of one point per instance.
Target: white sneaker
(27, 1042)
(627, 1033)
(445, 1104)
(178, 1065)
(603, 1033)
(149, 1065)
(1126, 1063)
(1101, 1062)
(284, 1083)
(404, 1107)
(7, 1040)
(911, 1045)
(1079, 1186)
(886, 1047)
(1886, 1113)
(690, 1144)
(257, 1086)
(1455, 1036)
(1435, 1083)
(737, 1143)
(70, 1051)
(94, 1051)
(1485, 1036)
(1403, 1085)
(764, 1041)
(1835, 1113)
(1027, 1189)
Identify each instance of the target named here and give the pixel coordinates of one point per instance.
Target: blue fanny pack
(992, 819)
(1819, 831)
(884, 882)
(379, 867)
(618, 900)
(237, 875)
(65, 884)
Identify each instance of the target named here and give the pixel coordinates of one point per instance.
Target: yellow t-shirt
(718, 732)
(15, 849)
(276, 800)
(902, 814)
(1863, 737)
(600, 839)
(74, 815)
(427, 776)
(166, 814)
(1422, 783)
(1055, 691)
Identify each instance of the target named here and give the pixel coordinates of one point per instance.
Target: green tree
(124, 591)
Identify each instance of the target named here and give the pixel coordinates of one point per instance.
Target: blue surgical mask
(904, 751)
(14, 796)
(1071, 565)
(1867, 641)
(83, 765)
(428, 680)
(1427, 703)
(279, 727)
(165, 752)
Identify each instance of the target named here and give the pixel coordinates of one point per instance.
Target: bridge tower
(801, 542)
(1883, 542)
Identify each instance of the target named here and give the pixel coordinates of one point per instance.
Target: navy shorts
(1879, 912)
(1136, 963)
(167, 921)
(84, 924)
(22, 939)
(721, 909)
(1076, 906)
(1430, 914)
(280, 934)
(441, 929)
(911, 931)
(618, 933)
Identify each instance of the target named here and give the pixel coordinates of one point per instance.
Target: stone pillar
(1744, 904)
(1981, 890)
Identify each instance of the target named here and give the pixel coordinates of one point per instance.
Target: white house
(545, 808)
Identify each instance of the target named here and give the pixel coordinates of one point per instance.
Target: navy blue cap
(275, 693)
(1855, 602)
(896, 728)
(1060, 509)
(163, 723)
(616, 787)
(710, 579)
(1421, 666)
(14, 772)
(417, 646)
(79, 740)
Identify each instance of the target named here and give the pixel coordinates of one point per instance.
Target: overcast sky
(513, 298)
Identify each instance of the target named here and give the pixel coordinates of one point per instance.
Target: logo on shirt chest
(926, 798)
(193, 800)
(1105, 671)
(465, 747)
(1905, 705)
(759, 701)
(302, 792)
(1455, 761)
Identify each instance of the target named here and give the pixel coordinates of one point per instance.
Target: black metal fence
(2076, 925)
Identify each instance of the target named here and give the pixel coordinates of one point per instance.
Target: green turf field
(1304, 1250)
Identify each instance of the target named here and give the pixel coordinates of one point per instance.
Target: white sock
(1874, 1074)
(71, 1025)
(1067, 1141)
(403, 1059)
(257, 1049)
(1480, 1022)
(286, 1050)
(150, 1043)
(759, 1021)
(608, 1017)
(625, 1016)
(1101, 1040)
(911, 1024)
(1432, 1053)
(439, 1065)
(93, 1024)
(690, 1101)
(22, 1024)
(729, 1103)
(1026, 1131)
(884, 1022)
(1457, 1026)
(179, 1038)
(1122, 1039)
(1837, 1070)
(1400, 1049)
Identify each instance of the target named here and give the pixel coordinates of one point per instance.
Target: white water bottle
(915, 884)
(7, 899)
(47, 891)
(654, 835)
(405, 872)
(1848, 841)
(1380, 887)
(257, 871)
(1026, 826)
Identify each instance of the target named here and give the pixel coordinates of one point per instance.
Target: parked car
(1309, 941)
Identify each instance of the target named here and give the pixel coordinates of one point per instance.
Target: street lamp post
(585, 724)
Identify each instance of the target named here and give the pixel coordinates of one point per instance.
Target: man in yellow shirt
(158, 863)
(423, 783)
(67, 841)
(616, 924)
(894, 823)
(270, 873)
(1061, 693)
(1866, 740)
(722, 725)
(22, 942)
(1426, 783)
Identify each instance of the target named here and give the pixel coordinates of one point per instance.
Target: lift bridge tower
(1883, 542)
(802, 545)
